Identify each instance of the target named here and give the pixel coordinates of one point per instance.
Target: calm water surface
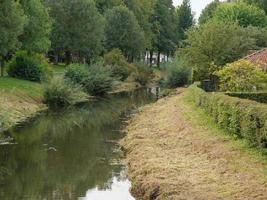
(71, 154)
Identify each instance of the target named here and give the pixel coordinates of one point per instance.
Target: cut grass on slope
(175, 151)
(15, 86)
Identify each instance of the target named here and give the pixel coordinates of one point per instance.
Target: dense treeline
(81, 31)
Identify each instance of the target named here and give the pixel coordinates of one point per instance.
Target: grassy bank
(19, 100)
(180, 153)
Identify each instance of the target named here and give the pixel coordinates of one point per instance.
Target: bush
(177, 74)
(142, 74)
(76, 73)
(95, 79)
(260, 97)
(242, 76)
(120, 68)
(58, 92)
(32, 67)
(244, 118)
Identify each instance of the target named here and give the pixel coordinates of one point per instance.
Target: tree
(12, 21)
(123, 32)
(35, 37)
(208, 12)
(163, 27)
(244, 14)
(143, 10)
(214, 44)
(185, 19)
(104, 5)
(78, 28)
(242, 76)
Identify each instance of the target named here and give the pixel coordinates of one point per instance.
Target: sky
(197, 5)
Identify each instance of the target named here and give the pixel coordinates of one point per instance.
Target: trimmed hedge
(244, 118)
(255, 96)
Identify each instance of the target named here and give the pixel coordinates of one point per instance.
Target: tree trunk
(151, 58)
(68, 57)
(2, 63)
(158, 59)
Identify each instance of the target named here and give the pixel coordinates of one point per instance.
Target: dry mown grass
(170, 155)
(16, 107)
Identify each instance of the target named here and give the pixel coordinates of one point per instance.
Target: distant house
(163, 58)
(259, 57)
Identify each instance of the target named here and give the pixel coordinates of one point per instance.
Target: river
(71, 154)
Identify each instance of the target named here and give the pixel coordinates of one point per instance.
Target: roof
(259, 57)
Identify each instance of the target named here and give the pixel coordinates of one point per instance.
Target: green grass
(201, 118)
(58, 69)
(29, 88)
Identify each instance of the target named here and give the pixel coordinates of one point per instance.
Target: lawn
(13, 85)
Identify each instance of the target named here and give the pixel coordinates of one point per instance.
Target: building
(259, 57)
(163, 58)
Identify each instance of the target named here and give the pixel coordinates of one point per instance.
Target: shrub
(95, 79)
(177, 74)
(243, 118)
(255, 96)
(120, 68)
(142, 74)
(241, 76)
(32, 67)
(75, 73)
(58, 92)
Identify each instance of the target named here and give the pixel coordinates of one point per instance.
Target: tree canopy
(37, 30)
(208, 12)
(123, 32)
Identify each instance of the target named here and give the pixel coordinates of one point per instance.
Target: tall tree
(78, 28)
(35, 37)
(12, 21)
(208, 12)
(214, 44)
(123, 32)
(163, 27)
(185, 19)
(143, 10)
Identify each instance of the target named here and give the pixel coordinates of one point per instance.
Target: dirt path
(172, 155)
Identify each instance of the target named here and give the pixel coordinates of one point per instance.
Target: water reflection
(67, 155)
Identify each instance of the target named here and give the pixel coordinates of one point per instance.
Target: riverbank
(175, 151)
(19, 101)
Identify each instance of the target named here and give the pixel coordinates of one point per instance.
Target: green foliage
(78, 27)
(123, 32)
(185, 19)
(35, 37)
(95, 79)
(76, 73)
(260, 3)
(12, 21)
(244, 14)
(163, 27)
(213, 45)
(256, 96)
(58, 92)
(104, 5)
(120, 68)
(143, 73)
(208, 12)
(177, 74)
(32, 67)
(243, 118)
(241, 76)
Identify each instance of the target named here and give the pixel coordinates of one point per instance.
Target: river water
(71, 154)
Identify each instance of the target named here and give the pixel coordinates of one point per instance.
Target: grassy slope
(19, 100)
(179, 153)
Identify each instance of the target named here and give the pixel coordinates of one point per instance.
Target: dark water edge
(71, 154)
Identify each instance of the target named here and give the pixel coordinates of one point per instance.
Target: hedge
(241, 117)
(255, 96)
